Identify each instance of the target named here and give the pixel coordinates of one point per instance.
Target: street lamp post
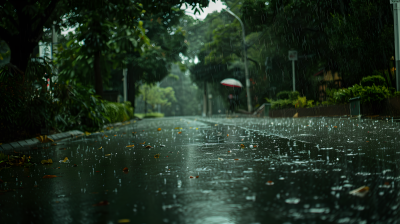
(245, 61)
(396, 17)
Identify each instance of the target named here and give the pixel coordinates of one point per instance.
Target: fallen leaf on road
(125, 169)
(124, 221)
(255, 146)
(216, 124)
(48, 161)
(102, 203)
(197, 176)
(65, 160)
(177, 128)
(108, 155)
(44, 138)
(180, 132)
(157, 156)
(159, 129)
(242, 146)
(227, 135)
(115, 135)
(191, 177)
(87, 133)
(49, 176)
(142, 143)
(236, 159)
(100, 147)
(269, 183)
(54, 144)
(148, 146)
(360, 192)
(335, 126)
(130, 146)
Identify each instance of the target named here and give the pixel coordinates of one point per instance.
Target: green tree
(154, 95)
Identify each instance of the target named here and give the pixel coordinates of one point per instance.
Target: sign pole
(294, 81)
(396, 9)
(293, 57)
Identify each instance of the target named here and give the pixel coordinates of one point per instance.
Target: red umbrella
(232, 83)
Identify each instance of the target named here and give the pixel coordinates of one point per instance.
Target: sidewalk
(56, 137)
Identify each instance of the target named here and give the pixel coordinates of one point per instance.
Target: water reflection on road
(243, 170)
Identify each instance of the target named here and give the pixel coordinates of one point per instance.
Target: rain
(200, 111)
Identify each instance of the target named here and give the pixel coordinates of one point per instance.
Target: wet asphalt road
(301, 171)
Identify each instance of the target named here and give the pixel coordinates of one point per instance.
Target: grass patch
(149, 115)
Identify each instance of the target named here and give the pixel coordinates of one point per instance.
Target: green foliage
(158, 95)
(375, 79)
(288, 95)
(301, 102)
(119, 112)
(150, 115)
(282, 104)
(368, 94)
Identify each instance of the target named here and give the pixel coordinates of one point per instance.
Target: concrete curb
(34, 141)
(56, 137)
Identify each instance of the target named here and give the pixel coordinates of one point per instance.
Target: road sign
(293, 55)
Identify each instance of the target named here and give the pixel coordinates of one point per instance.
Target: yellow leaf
(87, 133)
(177, 128)
(197, 128)
(65, 160)
(130, 146)
(124, 221)
(101, 147)
(108, 155)
(48, 161)
(44, 139)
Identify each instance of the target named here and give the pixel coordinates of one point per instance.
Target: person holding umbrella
(235, 84)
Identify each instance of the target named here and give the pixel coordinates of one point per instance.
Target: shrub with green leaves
(376, 79)
(288, 95)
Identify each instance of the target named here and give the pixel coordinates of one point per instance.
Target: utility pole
(245, 61)
(293, 57)
(396, 17)
(125, 74)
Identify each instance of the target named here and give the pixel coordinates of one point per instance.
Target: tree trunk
(131, 85)
(205, 99)
(98, 80)
(391, 76)
(21, 51)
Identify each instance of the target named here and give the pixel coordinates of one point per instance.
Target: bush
(119, 112)
(370, 94)
(288, 95)
(377, 80)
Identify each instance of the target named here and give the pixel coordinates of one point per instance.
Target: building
(326, 79)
